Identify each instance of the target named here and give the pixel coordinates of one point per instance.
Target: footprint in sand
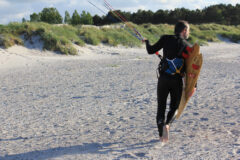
(237, 87)
(238, 151)
(204, 119)
(195, 114)
(128, 156)
(235, 132)
(141, 155)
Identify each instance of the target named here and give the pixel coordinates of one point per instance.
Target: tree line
(220, 14)
(52, 16)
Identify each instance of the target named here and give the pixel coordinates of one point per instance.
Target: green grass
(55, 38)
(61, 37)
(111, 36)
(8, 40)
(210, 32)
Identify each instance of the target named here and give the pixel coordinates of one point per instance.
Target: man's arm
(152, 49)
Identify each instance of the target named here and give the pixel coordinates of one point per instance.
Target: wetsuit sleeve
(151, 49)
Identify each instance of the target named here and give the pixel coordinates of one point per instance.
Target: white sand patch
(229, 54)
(34, 42)
(33, 54)
(224, 39)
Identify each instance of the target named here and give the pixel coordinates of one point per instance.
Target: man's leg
(175, 94)
(162, 93)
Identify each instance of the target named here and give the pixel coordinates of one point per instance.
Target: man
(175, 50)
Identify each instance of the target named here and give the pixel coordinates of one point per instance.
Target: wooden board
(193, 67)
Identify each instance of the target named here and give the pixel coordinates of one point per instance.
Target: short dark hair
(180, 26)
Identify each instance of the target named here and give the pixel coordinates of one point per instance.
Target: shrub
(8, 40)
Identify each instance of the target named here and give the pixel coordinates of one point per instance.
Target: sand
(102, 104)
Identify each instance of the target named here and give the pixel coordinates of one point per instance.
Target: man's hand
(144, 40)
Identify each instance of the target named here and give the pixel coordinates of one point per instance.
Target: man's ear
(185, 30)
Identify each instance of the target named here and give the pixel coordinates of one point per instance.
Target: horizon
(15, 10)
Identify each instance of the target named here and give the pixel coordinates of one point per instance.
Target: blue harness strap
(174, 66)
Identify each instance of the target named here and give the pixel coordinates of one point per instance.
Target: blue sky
(15, 10)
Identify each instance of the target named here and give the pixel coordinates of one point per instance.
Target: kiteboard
(193, 67)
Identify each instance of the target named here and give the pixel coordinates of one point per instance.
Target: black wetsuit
(173, 46)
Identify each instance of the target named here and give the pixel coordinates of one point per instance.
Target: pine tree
(86, 18)
(67, 18)
(23, 20)
(76, 19)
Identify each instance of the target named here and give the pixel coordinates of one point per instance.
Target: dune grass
(211, 32)
(112, 35)
(55, 38)
(60, 38)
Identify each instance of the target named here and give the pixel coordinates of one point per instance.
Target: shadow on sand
(85, 148)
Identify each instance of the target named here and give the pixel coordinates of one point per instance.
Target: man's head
(182, 28)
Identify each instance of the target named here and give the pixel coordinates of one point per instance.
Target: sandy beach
(102, 105)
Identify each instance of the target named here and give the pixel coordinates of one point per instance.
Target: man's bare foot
(161, 139)
(165, 133)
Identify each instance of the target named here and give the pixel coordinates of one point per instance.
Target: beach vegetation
(61, 37)
(51, 15)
